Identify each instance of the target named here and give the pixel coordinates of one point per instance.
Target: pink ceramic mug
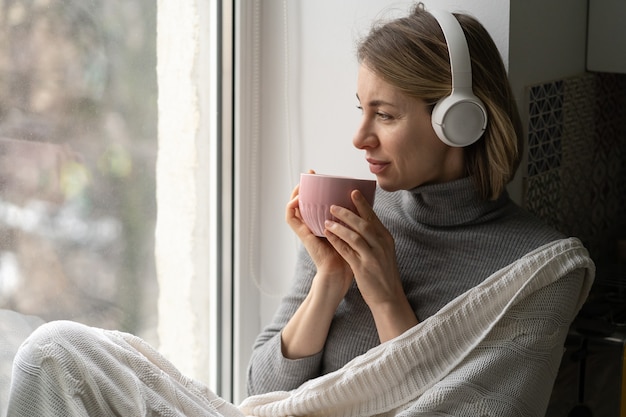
(318, 192)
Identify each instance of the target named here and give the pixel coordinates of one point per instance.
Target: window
(78, 142)
(83, 146)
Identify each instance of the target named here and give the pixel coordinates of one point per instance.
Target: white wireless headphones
(460, 118)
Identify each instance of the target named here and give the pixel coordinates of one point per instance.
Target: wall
(547, 41)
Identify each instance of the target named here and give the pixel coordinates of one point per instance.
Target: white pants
(68, 369)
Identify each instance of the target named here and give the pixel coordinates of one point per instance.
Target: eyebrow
(376, 103)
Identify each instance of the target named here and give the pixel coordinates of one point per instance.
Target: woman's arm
(306, 332)
(267, 360)
(292, 345)
(368, 247)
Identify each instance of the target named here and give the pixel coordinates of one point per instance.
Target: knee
(49, 369)
(46, 338)
(57, 330)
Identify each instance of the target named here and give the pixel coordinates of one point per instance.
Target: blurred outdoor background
(78, 138)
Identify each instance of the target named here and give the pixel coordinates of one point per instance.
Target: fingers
(365, 222)
(294, 218)
(292, 213)
(346, 243)
(364, 209)
(295, 192)
(352, 243)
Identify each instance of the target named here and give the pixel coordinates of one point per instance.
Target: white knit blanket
(71, 370)
(14, 328)
(397, 373)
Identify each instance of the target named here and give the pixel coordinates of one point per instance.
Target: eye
(359, 107)
(383, 116)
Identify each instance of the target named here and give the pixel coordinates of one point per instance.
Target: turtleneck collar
(450, 204)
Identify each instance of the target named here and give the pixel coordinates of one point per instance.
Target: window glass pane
(77, 159)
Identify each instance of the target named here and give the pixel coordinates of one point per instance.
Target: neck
(450, 204)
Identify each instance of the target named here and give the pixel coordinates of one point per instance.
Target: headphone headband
(460, 63)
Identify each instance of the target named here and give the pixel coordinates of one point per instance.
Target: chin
(387, 186)
(392, 186)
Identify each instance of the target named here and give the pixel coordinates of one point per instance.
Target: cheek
(411, 148)
(422, 157)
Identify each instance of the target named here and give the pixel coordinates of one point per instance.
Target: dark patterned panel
(577, 158)
(545, 127)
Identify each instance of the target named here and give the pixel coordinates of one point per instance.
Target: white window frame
(207, 171)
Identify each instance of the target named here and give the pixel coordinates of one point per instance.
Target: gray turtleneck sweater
(447, 241)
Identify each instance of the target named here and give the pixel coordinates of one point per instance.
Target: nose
(364, 137)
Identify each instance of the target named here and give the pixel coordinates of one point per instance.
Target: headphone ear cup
(459, 119)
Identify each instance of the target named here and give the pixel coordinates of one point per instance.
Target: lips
(376, 166)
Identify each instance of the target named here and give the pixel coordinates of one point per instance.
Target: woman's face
(400, 144)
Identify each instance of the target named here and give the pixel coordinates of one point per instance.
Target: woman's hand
(306, 332)
(369, 249)
(328, 262)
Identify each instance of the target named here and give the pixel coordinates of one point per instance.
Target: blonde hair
(411, 54)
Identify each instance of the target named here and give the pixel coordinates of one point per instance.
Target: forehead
(373, 89)
(368, 82)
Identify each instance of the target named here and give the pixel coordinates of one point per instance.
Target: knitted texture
(14, 328)
(441, 365)
(71, 370)
(419, 365)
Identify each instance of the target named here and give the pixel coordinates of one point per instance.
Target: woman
(441, 224)
(445, 297)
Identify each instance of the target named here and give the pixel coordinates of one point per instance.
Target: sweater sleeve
(494, 379)
(268, 369)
